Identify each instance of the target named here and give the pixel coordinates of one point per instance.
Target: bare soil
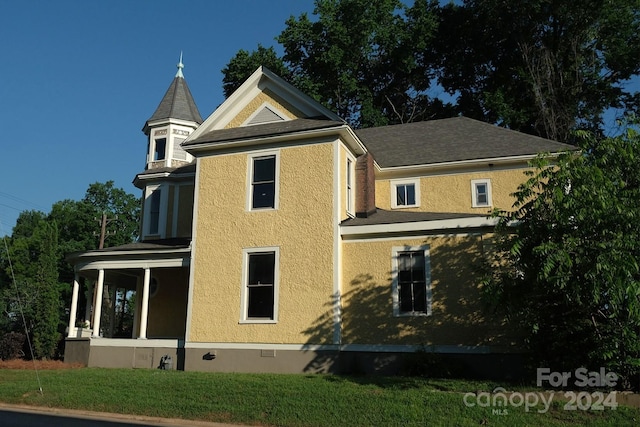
(39, 364)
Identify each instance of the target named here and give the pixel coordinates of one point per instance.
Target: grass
(284, 400)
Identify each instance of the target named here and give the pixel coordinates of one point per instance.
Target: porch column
(144, 308)
(97, 311)
(136, 310)
(87, 312)
(74, 305)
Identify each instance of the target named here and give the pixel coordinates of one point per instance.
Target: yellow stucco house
(276, 238)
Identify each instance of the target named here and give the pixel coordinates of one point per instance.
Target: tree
(542, 67)
(243, 64)
(36, 258)
(364, 60)
(570, 271)
(79, 221)
(32, 292)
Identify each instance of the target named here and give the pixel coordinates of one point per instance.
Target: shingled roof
(263, 130)
(382, 216)
(450, 140)
(177, 103)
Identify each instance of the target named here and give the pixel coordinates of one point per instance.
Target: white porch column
(74, 305)
(144, 308)
(97, 310)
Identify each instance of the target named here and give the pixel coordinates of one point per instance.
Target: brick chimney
(365, 186)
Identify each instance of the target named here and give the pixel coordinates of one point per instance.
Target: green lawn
(286, 400)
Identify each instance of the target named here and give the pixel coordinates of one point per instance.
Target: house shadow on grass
(458, 339)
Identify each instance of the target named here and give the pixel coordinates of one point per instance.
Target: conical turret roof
(177, 102)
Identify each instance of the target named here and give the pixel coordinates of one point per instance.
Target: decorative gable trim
(266, 113)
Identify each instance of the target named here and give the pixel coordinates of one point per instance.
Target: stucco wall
(457, 313)
(452, 192)
(302, 228)
(168, 307)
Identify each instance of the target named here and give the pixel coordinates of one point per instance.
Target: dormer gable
(263, 98)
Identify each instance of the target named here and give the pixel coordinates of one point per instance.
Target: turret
(174, 119)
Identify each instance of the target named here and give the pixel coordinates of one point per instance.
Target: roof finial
(180, 66)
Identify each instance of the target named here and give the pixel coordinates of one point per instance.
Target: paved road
(21, 416)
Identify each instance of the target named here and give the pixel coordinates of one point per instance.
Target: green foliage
(36, 258)
(364, 60)
(33, 250)
(243, 64)
(541, 67)
(571, 278)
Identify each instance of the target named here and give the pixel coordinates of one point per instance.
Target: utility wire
(24, 321)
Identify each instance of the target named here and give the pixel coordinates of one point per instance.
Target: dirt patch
(37, 364)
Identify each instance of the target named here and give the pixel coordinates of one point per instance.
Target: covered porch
(126, 302)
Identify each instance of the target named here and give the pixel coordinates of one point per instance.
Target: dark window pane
(406, 303)
(260, 302)
(161, 147)
(154, 212)
(264, 195)
(411, 194)
(264, 169)
(261, 268)
(419, 297)
(400, 196)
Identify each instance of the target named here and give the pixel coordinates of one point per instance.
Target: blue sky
(79, 79)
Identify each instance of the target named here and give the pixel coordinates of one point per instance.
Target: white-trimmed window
(411, 281)
(481, 193)
(350, 172)
(154, 211)
(405, 193)
(260, 285)
(263, 181)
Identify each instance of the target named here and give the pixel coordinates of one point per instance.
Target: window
(480, 193)
(264, 182)
(160, 149)
(154, 211)
(411, 281)
(405, 194)
(260, 285)
(349, 186)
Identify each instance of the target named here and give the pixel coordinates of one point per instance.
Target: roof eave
(461, 164)
(448, 225)
(207, 147)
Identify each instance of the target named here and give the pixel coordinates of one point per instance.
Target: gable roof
(177, 103)
(450, 140)
(260, 81)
